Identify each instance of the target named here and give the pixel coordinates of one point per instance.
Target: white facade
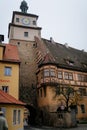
(18, 33)
(24, 27)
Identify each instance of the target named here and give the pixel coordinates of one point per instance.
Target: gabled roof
(5, 98)
(11, 53)
(64, 56)
(48, 58)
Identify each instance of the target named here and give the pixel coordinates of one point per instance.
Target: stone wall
(27, 71)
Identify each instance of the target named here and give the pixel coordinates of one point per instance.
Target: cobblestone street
(80, 127)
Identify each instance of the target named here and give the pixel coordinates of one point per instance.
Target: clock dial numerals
(25, 21)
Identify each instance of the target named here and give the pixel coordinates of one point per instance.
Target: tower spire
(24, 6)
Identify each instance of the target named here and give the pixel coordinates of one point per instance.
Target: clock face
(25, 21)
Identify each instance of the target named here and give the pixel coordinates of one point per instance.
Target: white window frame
(16, 116)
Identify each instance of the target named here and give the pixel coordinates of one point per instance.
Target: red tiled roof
(11, 53)
(5, 98)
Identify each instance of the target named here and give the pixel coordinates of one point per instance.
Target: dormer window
(85, 65)
(69, 62)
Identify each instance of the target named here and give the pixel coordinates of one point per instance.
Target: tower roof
(24, 6)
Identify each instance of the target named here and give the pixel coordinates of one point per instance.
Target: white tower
(23, 25)
(21, 32)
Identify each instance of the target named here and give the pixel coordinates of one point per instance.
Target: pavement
(79, 127)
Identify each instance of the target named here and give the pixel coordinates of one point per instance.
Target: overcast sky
(64, 20)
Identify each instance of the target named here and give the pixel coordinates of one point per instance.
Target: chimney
(51, 40)
(66, 45)
(1, 38)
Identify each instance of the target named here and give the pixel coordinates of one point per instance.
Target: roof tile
(8, 99)
(59, 54)
(11, 53)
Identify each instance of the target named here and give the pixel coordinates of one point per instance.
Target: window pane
(19, 113)
(17, 19)
(14, 116)
(34, 22)
(82, 78)
(60, 76)
(4, 110)
(26, 34)
(46, 72)
(66, 75)
(7, 71)
(82, 91)
(52, 72)
(70, 76)
(5, 89)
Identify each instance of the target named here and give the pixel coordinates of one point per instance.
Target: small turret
(24, 6)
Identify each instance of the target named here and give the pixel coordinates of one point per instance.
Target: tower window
(18, 43)
(35, 45)
(17, 19)
(25, 34)
(34, 22)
